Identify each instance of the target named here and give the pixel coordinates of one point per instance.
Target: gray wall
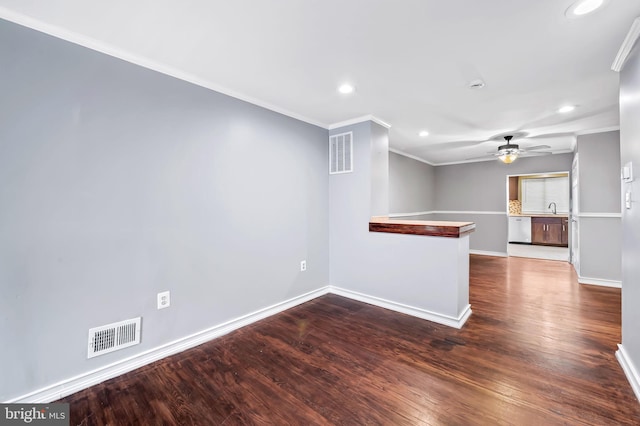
(411, 185)
(599, 187)
(425, 273)
(600, 249)
(630, 151)
(379, 170)
(599, 169)
(350, 205)
(482, 187)
(117, 182)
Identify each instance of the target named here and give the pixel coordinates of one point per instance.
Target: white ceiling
(411, 61)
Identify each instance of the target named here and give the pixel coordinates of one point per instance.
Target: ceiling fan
(509, 152)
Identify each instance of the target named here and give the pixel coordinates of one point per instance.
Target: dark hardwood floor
(538, 350)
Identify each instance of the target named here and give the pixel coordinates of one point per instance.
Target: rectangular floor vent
(340, 153)
(112, 337)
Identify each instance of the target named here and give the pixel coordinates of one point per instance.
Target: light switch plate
(627, 172)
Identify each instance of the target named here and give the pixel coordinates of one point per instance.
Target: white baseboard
(82, 381)
(600, 282)
(488, 253)
(629, 370)
(91, 378)
(456, 322)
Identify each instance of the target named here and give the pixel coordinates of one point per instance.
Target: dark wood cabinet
(554, 233)
(537, 231)
(550, 231)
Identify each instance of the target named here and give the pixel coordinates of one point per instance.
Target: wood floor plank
(538, 349)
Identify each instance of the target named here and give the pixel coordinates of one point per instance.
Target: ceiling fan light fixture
(508, 153)
(508, 157)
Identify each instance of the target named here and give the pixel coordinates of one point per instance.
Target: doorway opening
(538, 206)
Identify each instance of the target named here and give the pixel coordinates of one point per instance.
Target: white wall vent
(112, 337)
(340, 153)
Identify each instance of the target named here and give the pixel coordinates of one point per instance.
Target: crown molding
(481, 160)
(108, 49)
(359, 120)
(627, 45)
(413, 157)
(600, 130)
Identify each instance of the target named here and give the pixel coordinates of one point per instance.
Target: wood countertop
(421, 227)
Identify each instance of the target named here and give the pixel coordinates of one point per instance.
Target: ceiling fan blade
(449, 145)
(452, 145)
(533, 148)
(535, 154)
(550, 135)
(483, 157)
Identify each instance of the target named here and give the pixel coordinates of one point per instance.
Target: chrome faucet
(554, 207)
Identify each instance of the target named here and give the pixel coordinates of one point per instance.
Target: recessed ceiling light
(565, 109)
(423, 134)
(346, 88)
(583, 7)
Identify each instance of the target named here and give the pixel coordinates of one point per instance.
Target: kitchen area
(538, 209)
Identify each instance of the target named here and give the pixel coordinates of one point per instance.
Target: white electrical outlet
(164, 299)
(303, 265)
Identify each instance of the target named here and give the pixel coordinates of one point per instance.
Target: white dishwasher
(520, 229)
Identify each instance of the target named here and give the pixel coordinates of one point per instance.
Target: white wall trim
(600, 130)
(413, 157)
(600, 215)
(456, 322)
(142, 61)
(488, 253)
(600, 282)
(470, 212)
(629, 369)
(447, 212)
(627, 45)
(453, 163)
(409, 214)
(543, 174)
(85, 380)
(358, 120)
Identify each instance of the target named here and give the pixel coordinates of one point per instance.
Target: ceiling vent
(476, 84)
(341, 153)
(112, 337)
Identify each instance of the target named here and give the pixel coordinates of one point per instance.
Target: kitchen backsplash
(515, 207)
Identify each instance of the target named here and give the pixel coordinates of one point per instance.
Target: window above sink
(538, 193)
